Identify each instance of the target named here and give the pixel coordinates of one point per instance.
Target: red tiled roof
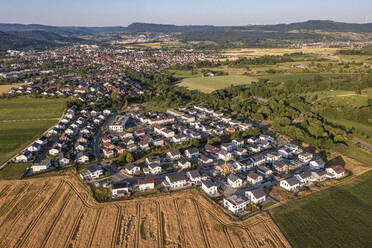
(146, 180)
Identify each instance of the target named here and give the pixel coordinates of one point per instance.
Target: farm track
(253, 240)
(160, 225)
(183, 239)
(228, 237)
(201, 223)
(95, 227)
(22, 239)
(51, 229)
(12, 203)
(74, 226)
(278, 242)
(138, 228)
(116, 232)
(5, 191)
(82, 198)
(20, 214)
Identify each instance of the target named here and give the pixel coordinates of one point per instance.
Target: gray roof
(233, 177)
(258, 193)
(209, 183)
(292, 181)
(177, 177)
(253, 175)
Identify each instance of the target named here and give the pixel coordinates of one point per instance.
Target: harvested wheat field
(59, 212)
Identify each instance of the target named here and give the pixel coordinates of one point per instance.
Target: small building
(318, 176)
(146, 184)
(154, 168)
(174, 154)
(304, 177)
(120, 189)
(192, 153)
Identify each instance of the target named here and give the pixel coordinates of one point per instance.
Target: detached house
(146, 183)
(235, 204)
(336, 171)
(304, 177)
(154, 168)
(177, 180)
(317, 164)
(290, 184)
(256, 196)
(174, 154)
(194, 176)
(305, 157)
(209, 187)
(234, 181)
(192, 153)
(132, 169)
(254, 178)
(119, 189)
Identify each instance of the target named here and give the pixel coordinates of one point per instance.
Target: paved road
(363, 144)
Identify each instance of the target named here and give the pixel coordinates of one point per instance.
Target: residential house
(263, 170)
(132, 169)
(305, 157)
(256, 196)
(254, 178)
(194, 176)
(209, 187)
(336, 171)
(192, 153)
(174, 154)
(120, 189)
(176, 180)
(318, 176)
(235, 203)
(234, 181)
(317, 164)
(290, 184)
(146, 184)
(183, 163)
(154, 168)
(281, 167)
(304, 177)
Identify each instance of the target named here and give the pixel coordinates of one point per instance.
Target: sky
(181, 12)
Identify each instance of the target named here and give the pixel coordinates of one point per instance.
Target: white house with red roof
(336, 171)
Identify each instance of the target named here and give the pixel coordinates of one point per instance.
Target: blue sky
(213, 12)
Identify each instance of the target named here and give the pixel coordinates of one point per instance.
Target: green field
(340, 216)
(24, 119)
(209, 84)
(23, 108)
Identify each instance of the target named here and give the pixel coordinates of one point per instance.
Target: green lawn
(209, 84)
(15, 135)
(13, 171)
(340, 216)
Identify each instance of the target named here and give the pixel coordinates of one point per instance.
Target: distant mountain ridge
(324, 25)
(68, 30)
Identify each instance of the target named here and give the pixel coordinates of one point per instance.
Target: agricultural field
(210, 84)
(315, 221)
(5, 88)
(23, 119)
(256, 52)
(65, 215)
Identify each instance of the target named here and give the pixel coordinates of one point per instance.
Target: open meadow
(41, 212)
(210, 84)
(24, 119)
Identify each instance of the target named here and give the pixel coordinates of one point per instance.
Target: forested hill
(329, 26)
(32, 40)
(71, 30)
